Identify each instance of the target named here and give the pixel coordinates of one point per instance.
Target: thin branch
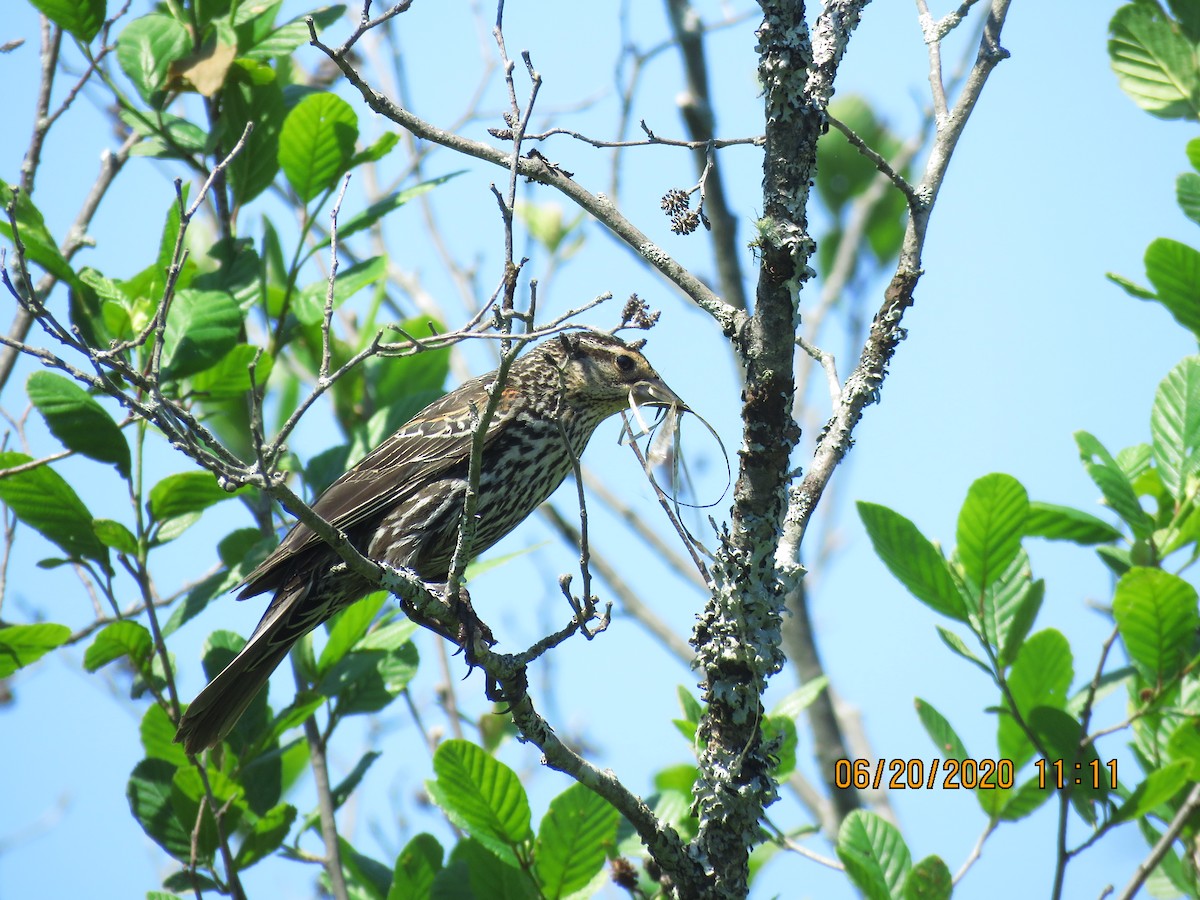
(1150, 863)
(915, 200)
(976, 851)
(636, 523)
(828, 363)
(319, 763)
(36, 463)
(652, 141)
(327, 318)
(630, 602)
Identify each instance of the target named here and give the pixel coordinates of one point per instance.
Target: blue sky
(1016, 341)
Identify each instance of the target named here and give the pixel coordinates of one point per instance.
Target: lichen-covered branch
(738, 636)
(862, 386)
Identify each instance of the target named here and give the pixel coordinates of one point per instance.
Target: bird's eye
(625, 363)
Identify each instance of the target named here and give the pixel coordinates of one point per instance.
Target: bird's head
(604, 371)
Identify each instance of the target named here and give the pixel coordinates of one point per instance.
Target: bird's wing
(437, 438)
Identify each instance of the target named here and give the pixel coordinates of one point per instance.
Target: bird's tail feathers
(217, 708)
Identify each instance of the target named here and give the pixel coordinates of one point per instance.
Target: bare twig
(630, 601)
(915, 201)
(976, 851)
(1150, 863)
(319, 763)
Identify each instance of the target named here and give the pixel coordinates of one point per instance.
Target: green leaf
(1132, 288)
(287, 37)
(1187, 14)
(843, 172)
(1060, 733)
(170, 529)
(482, 796)
(1155, 64)
(316, 143)
(1187, 195)
(365, 877)
(42, 499)
(800, 699)
(781, 732)
(162, 810)
(1016, 620)
(131, 304)
(1156, 615)
(231, 376)
(1184, 745)
(247, 101)
(366, 682)
(185, 492)
(875, 855)
(930, 879)
(381, 208)
(21, 645)
(1174, 270)
(416, 868)
(198, 599)
(118, 640)
(1159, 787)
(202, 327)
(940, 731)
(574, 838)
(82, 424)
(1005, 603)
(79, 18)
(545, 224)
(40, 246)
(692, 710)
(990, 526)
(165, 136)
(157, 732)
(115, 535)
(309, 304)
(1062, 523)
(1175, 426)
(384, 144)
(1040, 677)
(239, 272)
(955, 643)
(678, 778)
(388, 638)
(1017, 803)
(473, 873)
(910, 556)
(1114, 484)
(266, 835)
(348, 627)
(293, 715)
(146, 48)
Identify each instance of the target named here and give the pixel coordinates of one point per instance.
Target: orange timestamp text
(916, 774)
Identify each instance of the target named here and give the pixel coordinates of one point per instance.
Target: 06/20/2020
(915, 774)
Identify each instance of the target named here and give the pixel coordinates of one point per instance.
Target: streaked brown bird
(402, 503)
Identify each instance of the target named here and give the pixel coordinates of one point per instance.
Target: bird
(402, 503)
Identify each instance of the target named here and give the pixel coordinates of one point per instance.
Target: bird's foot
(472, 632)
(514, 693)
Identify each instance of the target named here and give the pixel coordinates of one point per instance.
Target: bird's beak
(656, 393)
